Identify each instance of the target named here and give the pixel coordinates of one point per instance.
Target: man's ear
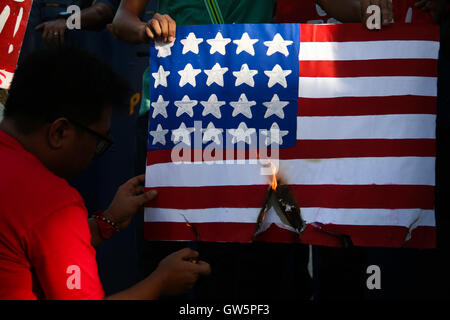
(58, 132)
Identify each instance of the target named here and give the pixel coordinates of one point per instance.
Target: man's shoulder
(29, 190)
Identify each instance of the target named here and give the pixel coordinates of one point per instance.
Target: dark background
(337, 273)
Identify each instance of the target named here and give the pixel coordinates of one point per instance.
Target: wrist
(110, 216)
(107, 227)
(144, 38)
(156, 281)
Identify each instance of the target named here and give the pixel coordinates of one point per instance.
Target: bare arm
(96, 239)
(126, 24)
(96, 17)
(342, 10)
(148, 289)
(175, 275)
(356, 10)
(128, 27)
(129, 198)
(436, 8)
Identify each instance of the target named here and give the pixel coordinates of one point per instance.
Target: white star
(245, 75)
(278, 44)
(191, 43)
(159, 135)
(275, 107)
(215, 75)
(185, 105)
(242, 106)
(242, 133)
(160, 107)
(188, 75)
(211, 133)
(161, 77)
(164, 48)
(212, 106)
(275, 135)
(218, 44)
(277, 75)
(182, 134)
(245, 44)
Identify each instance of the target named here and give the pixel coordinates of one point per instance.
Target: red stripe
(380, 236)
(359, 32)
(323, 149)
(372, 236)
(422, 237)
(232, 232)
(369, 68)
(325, 196)
(358, 106)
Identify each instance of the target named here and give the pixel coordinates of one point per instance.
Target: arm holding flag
(128, 27)
(356, 10)
(129, 198)
(175, 274)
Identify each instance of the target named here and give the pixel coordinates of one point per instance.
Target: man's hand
(386, 10)
(129, 198)
(160, 28)
(177, 274)
(53, 31)
(436, 8)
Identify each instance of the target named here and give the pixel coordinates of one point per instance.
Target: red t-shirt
(45, 249)
(307, 11)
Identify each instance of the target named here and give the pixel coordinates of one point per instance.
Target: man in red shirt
(57, 118)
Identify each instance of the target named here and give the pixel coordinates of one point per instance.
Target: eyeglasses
(103, 143)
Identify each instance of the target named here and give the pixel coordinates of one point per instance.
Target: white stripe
(324, 87)
(358, 217)
(344, 171)
(368, 50)
(401, 126)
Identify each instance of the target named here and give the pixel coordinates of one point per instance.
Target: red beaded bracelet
(107, 227)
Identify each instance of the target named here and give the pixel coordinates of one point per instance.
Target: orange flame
(274, 176)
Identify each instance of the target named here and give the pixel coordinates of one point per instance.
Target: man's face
(84, 146)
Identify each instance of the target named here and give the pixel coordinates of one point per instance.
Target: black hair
(62, 82)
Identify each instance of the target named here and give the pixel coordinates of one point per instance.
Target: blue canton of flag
(239, 79)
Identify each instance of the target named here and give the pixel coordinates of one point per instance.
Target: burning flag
(281, 200)
(347, 116)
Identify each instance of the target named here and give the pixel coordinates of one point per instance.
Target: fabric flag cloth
(13, 23)
(350, 114)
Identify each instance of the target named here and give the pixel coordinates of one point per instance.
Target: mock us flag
(346, 114)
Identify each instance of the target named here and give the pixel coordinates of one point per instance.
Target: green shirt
(195, 12)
